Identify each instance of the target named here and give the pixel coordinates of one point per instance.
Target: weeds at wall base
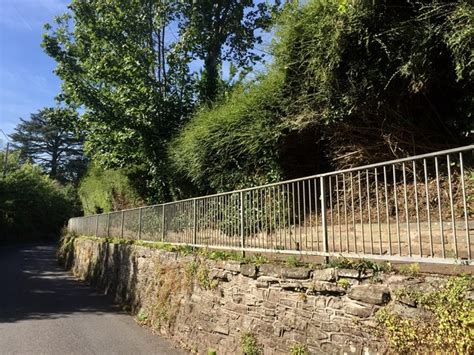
(450, 328)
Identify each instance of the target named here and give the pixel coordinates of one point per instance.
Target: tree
(136, 92)
(56, 149)
(223, 30)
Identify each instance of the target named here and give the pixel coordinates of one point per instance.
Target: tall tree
(115, 61)
(223, 30)
(56, 149)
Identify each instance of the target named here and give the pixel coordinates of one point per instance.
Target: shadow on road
(35, 287)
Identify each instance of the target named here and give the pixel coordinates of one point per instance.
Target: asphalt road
(44, 310)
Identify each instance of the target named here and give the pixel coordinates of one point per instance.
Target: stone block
(328, 348)
(342, 339)
(299, 273)
(237, 308)
(270, 279)
(221, 275)
(232, 265)
(348, 273)
(325, 275)
(407, 300)
(266, 281)
(358, 309)
(335, 303)
(367, 274)
(315, 334)
(411, 312)
(396, 279)
(248, 270)
(237, 297)
(221, 329)
(270, 270)
(291, 285)
(330, 327)
(328, 288)
(373, 294)
(274, 295)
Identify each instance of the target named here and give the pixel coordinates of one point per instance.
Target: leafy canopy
(43, 141)
(135, 93)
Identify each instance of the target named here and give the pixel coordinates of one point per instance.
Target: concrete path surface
(44, 310)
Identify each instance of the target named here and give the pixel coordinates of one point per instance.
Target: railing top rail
(331, 173)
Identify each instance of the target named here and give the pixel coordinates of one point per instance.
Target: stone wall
(205, 304)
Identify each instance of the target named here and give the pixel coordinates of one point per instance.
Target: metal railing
(414, 209)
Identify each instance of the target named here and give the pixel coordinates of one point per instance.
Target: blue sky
(27, 82)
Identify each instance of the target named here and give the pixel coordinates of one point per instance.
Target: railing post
(163, 231)
(324, 217)
(242, 230)
(194, 223)
(108, 224)
(121, 225)
(96, 224)
(139, 223)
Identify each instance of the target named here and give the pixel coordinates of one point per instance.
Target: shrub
(249, 344)
(106, 190)
(373, 74)
(450, 329)
(34, 206)
(299, 349)
(410, 270)
(233, 144)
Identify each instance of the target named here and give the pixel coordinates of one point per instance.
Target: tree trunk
(211, 78)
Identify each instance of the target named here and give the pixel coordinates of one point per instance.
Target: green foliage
(233, 145)
(13, 163)
(359, 264)
(401, 70)
(411, 270)
(46, 141)
(299, 349)
(221, 255)
(113, 61)
(344, 283)
(292, 261)
(213, 31)
(257, 259)
(32, 205)
(449, 331)
(249, 344)
(107, 190)
(362, 64)
(127, 64)
(142, 317)
(203, 277)
(191, 270)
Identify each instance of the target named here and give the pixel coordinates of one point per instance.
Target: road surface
(44, 310)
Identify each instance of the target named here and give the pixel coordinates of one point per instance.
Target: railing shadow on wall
(418, 208)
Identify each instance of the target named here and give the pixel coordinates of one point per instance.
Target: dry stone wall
(204, 304)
